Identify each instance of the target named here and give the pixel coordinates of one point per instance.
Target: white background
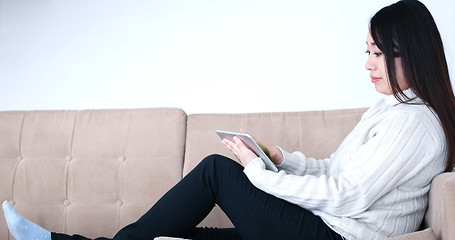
(201, 56)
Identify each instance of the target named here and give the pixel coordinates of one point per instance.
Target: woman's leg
(255, 214)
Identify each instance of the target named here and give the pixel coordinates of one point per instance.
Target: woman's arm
(297, 163)
(402, 147)
(293, 163)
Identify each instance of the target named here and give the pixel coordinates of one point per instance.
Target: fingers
(233, 145)
(274, 153)
(227, 143)
(242, 152)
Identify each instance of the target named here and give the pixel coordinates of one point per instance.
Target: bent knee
(219, 160)
(215, 158)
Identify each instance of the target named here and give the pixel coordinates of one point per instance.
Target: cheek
(383, 68)
(380, 66)
(400, 75)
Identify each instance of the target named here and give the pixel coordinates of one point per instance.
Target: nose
(369, 65)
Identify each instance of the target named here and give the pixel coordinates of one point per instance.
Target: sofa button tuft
(12, 202)
(119, 203)
(121, 159)
(19, 158)
(66, 202)
(68, 158)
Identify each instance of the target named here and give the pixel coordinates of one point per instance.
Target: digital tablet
(251, 144)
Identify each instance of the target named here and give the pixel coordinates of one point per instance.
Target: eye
(377, 54)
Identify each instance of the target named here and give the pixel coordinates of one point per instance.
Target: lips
(375, 79)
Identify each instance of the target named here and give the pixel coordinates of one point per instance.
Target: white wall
(202, 56)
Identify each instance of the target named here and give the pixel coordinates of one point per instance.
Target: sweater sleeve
(297, 163)
(398, 148)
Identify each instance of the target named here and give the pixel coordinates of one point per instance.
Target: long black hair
(407, 30)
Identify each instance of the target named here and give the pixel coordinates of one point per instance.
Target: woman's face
(376, 64)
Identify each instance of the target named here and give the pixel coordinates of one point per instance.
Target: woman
(374, 186)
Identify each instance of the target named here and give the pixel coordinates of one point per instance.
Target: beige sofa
(94, 171)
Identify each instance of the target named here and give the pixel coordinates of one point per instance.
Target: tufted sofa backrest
(88, 171)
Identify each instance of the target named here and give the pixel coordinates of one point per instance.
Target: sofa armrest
(440, 216)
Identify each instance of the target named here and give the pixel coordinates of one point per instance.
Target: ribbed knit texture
(375, 185)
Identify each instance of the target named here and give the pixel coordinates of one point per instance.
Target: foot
(21, 228)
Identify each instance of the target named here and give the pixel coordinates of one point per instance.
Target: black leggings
(219, 180)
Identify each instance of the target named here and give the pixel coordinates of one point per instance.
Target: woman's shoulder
(411, 114)
(409, 105)
(418, 115)
(419, 110)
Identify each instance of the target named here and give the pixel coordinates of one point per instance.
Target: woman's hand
(274, 153)
(245, 155)
(242, 152)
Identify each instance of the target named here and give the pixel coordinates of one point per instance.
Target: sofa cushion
(86, 172)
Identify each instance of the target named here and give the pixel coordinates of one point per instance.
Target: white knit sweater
(375, 185)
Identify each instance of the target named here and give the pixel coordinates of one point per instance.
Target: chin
(383, 89)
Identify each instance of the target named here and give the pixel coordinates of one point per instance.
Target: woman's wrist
(277, 156)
